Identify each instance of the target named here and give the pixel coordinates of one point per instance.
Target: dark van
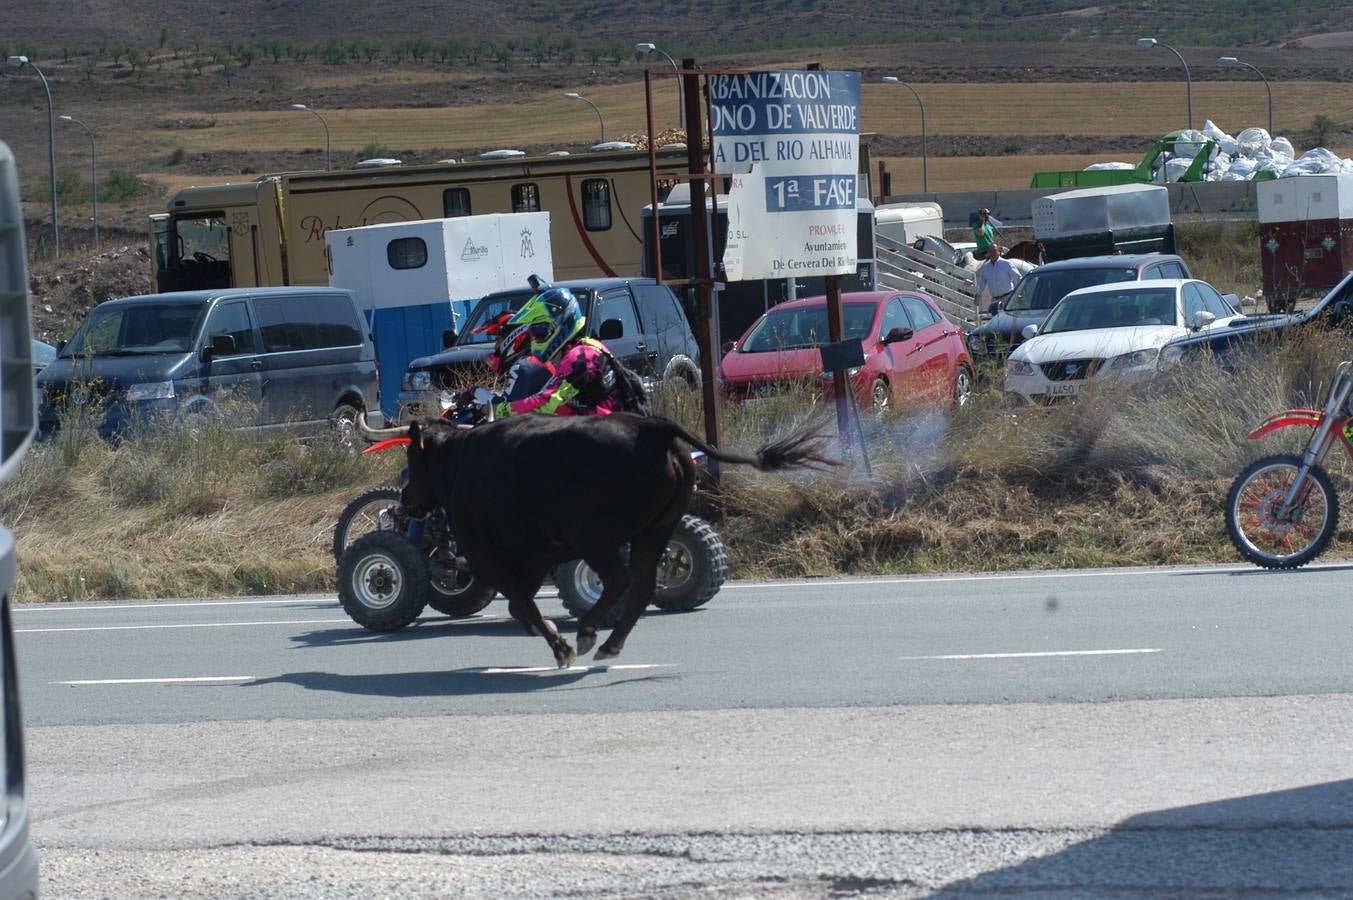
(298, 358)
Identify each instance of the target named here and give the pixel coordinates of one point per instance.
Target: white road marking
(951, 579)
(1038, 654)
(205, 679)
(115, 605)
(533, 670)
(183, 625)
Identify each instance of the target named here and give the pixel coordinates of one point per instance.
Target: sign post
(791, 141)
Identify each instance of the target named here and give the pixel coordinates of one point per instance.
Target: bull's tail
(802, 449)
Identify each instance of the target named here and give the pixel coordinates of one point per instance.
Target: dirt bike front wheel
(1263, 531)
(370, 512)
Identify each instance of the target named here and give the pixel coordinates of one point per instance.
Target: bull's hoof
(564, 655)
(586, 641)
(607, 652)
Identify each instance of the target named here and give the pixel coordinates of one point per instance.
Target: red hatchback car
(912, 353)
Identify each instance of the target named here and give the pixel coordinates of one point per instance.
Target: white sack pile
(1242, 157)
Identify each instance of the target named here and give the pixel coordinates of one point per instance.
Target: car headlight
(152, 390)
(1169, 358)
(417, 381)
(1019, 367)
(1136, 359)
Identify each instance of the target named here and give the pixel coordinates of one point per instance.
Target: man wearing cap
(983, 233)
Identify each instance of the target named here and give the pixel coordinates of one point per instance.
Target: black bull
(528, 493)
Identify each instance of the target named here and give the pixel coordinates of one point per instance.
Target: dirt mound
(64, 290)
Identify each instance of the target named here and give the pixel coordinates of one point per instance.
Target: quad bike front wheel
(383, 581)
(1269, 536)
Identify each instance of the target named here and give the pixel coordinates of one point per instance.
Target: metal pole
(93, 173)
(303, 108)
(602, 122)
(1231, 60)
(836, 332)
(653, 48)
(1188, 80)
(20, 62)
(925, 172)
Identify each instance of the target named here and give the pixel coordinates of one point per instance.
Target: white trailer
(905, 222)
(415, 280)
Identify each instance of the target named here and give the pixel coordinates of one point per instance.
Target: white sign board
(791, 140)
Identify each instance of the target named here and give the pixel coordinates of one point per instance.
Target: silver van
(300, 358)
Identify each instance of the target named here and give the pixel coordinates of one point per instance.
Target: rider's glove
(463, 398)
(501, 408)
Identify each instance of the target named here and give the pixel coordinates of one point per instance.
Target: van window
(133, 329)
(407, 253)
(596, 204)
(617, 305)
(455, 202)
(307, 323)
(232, 319)
(658, 307)
(525, 198)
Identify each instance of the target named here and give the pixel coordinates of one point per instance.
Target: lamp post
(1188, 81)
(925, 174)
(303, 108)
(19, 62)
(681, 110)
(93, 172)
(572, 95)
(1232, 61)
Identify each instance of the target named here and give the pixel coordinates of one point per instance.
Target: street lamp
(576, 96)
(93, 172)
(303, 108)
(925, 175)
(1232, 61)
(681, 111)
(19, 62)
(1188, 81)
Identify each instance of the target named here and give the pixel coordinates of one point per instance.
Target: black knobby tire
(697, 565)
(361, 513)
(383, 581)
(580, 589)
(1249, 506)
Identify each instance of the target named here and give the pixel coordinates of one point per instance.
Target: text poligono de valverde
(791, 142)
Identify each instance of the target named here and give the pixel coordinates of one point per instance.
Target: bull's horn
(371, 435)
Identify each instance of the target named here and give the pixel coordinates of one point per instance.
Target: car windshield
(137, 329)
(805, 326)
(1044, 289)
(1113, 309)
(495, 305)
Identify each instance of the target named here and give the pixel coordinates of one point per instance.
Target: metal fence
(901, 267)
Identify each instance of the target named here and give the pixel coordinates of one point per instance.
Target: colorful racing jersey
(584, 384)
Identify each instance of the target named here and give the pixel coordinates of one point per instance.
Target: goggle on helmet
(552, 319)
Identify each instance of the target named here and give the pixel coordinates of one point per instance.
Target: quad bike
(390, 565)
(1282, 510)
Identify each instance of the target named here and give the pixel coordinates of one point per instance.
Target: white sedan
(1111, 331)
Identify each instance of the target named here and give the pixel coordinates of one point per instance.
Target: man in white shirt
(998, 278)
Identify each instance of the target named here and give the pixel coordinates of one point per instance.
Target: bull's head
(429, 466)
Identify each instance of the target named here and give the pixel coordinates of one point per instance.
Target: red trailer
(1305, 235)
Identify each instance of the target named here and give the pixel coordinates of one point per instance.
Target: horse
(1029, 251)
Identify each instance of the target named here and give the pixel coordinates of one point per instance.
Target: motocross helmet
(553, 318)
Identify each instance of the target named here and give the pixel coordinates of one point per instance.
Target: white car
(1111, 331)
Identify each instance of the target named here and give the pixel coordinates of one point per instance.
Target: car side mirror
(449, 338)
(611, 329)
(898, 334)
(1202, 318)
(60, 345)
(221, 345)
(1029, 331)
(727, 348)
(993, 307)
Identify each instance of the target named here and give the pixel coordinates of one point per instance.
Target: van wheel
(343, 420)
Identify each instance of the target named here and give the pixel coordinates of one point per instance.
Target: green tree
(1322, 127)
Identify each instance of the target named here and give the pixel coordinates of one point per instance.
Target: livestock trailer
(414, 281)
(905, 222)
(1305, 234)
(1127, 218)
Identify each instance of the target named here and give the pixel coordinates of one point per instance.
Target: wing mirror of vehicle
(221, 345)
(611, 329)
(449, 338)
(898, 334)
(1029, 331)
(727, 348)
(60, 345)
(1202, 318)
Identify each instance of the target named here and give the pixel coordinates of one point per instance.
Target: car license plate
(1065, 389)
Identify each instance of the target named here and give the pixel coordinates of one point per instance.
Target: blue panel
(402, 335)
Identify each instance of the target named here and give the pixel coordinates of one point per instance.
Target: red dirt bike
(390, 565)
(1282, 511)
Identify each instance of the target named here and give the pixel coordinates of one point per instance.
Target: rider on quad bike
(588, 380)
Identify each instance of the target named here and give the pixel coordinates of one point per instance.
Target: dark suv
(654, 339)
(1044, 287)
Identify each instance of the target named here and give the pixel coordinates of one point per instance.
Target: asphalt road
(1133, 732)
